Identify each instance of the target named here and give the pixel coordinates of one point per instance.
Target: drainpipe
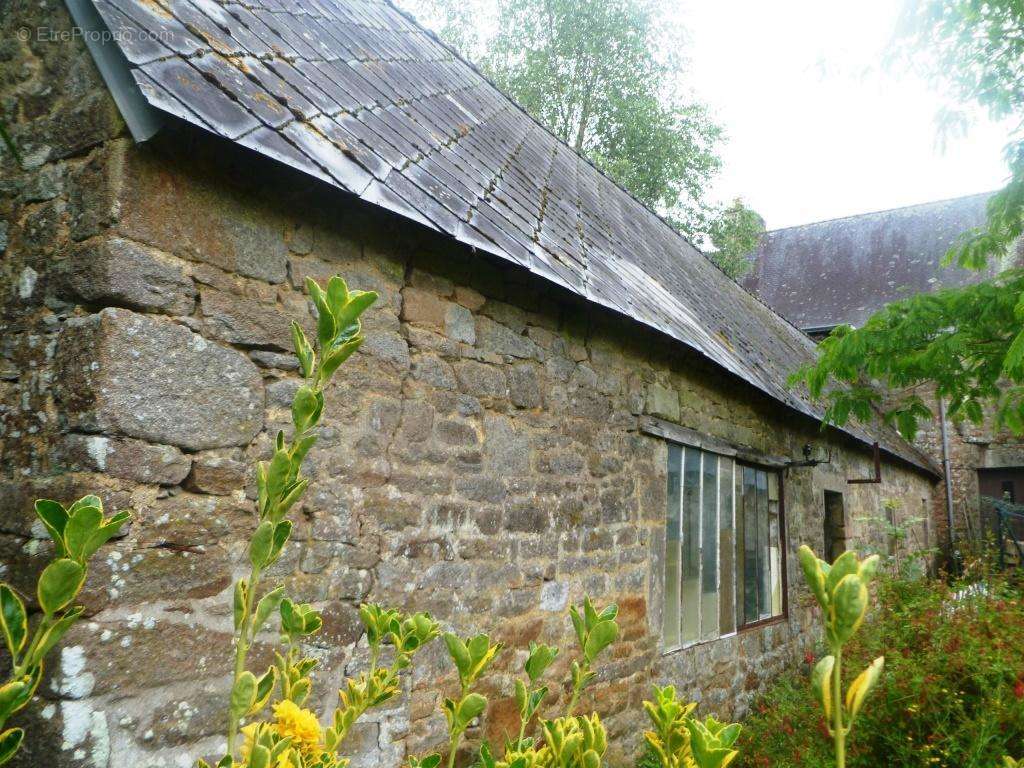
(946, 471)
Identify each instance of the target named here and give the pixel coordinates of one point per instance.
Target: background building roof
(842, 271)
(356, 94)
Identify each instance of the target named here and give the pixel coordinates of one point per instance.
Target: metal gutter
(143, 120)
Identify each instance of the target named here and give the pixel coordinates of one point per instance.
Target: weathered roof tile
(274, 84)
(262, 39)
(843, 270)
(251, 95)
(139, 46)
(158, 21)
(273, 144)
(205, 27)
(227, 17)
(328, 156)
(351, 143)
(217, 109)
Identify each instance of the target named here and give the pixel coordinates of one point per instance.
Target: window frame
(783, 552)
(738, 461)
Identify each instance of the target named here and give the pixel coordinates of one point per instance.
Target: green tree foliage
(603, 76)
(735, 235)
(592, 71)
(974, 50)
(967, 342)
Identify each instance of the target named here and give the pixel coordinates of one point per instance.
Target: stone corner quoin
(153, 379)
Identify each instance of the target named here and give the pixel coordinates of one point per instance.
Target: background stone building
(551, 378)
(842, 271)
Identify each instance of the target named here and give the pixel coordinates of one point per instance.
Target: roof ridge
(881, 211)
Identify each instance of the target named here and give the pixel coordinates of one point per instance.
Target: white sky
(817, 127)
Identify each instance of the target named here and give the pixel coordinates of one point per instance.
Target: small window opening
(835, 525)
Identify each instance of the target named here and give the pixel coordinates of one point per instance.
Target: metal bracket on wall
(878, 470)
(809, 460)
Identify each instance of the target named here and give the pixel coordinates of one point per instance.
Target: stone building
(552, 376)
(841, 271)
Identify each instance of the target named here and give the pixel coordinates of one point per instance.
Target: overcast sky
(817, 128)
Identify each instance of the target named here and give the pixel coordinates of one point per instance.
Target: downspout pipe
(946, 469)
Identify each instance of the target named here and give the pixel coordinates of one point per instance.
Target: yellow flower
(249, 732)
(300, 725)
(284, 759)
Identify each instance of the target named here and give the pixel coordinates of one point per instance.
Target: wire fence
(1006, 521)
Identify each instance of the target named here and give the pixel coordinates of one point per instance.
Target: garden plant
(842, 592)
(953, 690)
(680, 740)
(294, 736)
(904, 552)
(78, 532)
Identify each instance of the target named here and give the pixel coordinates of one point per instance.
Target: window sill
(696, 644)
(760, 624)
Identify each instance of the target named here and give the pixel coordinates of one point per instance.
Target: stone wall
(481, 457)
(971, 447)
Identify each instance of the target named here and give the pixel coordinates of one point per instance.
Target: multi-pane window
(723, 553)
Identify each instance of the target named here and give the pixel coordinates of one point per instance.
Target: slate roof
(355, 93)
(843, 270)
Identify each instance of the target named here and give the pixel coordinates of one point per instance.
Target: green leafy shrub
(294, 737)
(679, 740)
(649, 759)
(78, 532)
(472, 657)
(951, 696)
(568, 741)
(904, 553)
(841, 590)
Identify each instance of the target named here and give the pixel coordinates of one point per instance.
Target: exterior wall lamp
(813, 456)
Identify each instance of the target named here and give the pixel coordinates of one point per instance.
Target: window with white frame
(723, 546)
